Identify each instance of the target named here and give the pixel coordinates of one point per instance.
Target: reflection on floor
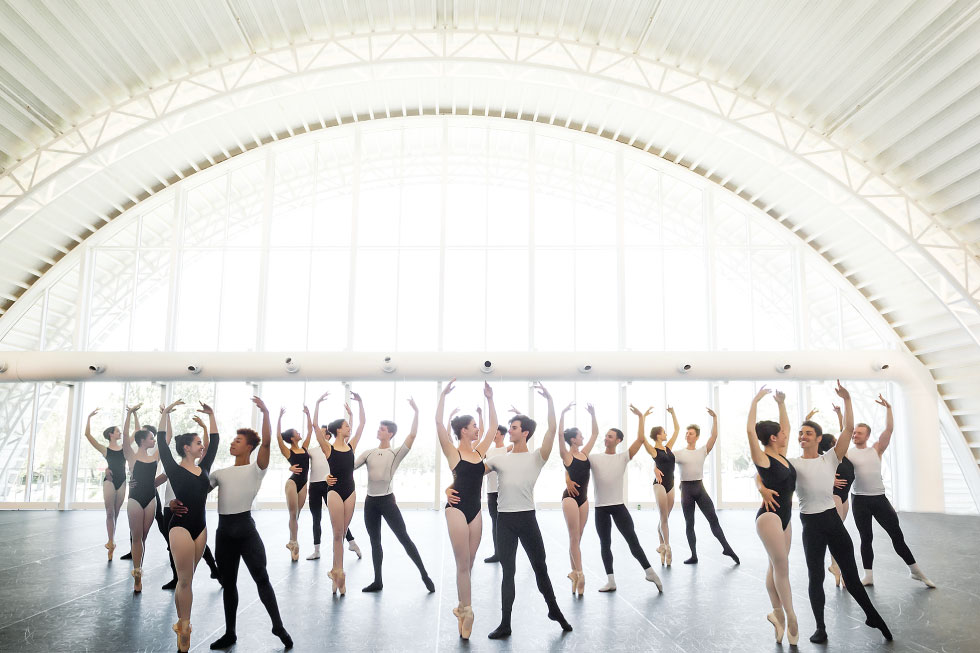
(57, 593)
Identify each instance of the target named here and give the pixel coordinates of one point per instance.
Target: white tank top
(867, 471)
(815, 482)
(492, 476)
(691, 463)
(237, 486)
(607, 477)
(318, 465)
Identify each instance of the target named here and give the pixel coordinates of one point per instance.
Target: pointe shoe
(110, 546)
(580, 586)
(333, 581)
(670, 556)
(183, 634)
(780, 627)
(466, 621)
(791, 637)
(138, 579)
(352, 546)
(458, 613)
(662, 550)
(573, 576)
(835, 570)
(293, 548)
(341, 579)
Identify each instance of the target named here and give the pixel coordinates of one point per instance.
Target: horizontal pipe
(32, 366)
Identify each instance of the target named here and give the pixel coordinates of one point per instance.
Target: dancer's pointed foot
(776, 620)
(879, 623)
(283, 636)
(555, 615)
(352, 545)
(429, 585)
(731, 554)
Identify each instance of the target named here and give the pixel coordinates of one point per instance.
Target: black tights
(374, 509)
(693, 492)
(604, 516)
(163, 523)
(237, 540)
(492, 508)
(317, 496)
(511, 528)
(881, 509)
(825, 530)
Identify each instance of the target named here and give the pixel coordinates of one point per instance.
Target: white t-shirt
(607, 476)
(516, 475)
(691, 462)
(381, 464)
(815, 482)
(492, 476)
(237, 486)
(867, 471)
(318, 465)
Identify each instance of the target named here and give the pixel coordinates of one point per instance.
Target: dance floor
(57, 593)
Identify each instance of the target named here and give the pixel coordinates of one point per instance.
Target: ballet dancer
(237, 539)
(298, 456)
(114, 482)
(663, 483)
(691, 462)
(870, 500)
(341, 496)
(142, 506)
(188, 531)
(380, 502)
(498, 448)
(574, 452)
(463, 517)
(776, 478)
(517, 472)
(822, 525)
(318, 493)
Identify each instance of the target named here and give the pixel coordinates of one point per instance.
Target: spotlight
(291, 366)
(782, 368)
(684, 368)
(96, 368)
(487, 367)
(585, 369)
(880, 366)
(389, 365)
(194, 369)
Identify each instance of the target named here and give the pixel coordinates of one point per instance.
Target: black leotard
(846, 471)
(580, 471)
(190, 489)
(144, 474)
(117, 465)
(782, 479)
(342, 468)
(468, 482)
(303, 460)
(665, 463)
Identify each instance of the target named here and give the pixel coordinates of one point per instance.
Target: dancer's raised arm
(714, 431)
(101, 448)
(780, 398)
(127, 440)
(590, 409)
(265, 448)
(410, 439)
(844, 441)
(491, 432)
(677, 427)
(548, 443)
(361, 421)
(566, 457)
(448, 450)
(886, 436)
(635, 446)
(283, 449)
(759, 456)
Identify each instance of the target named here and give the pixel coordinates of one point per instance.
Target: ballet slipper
(183, 634)
(333, 580)
(466, 622)
(458, 613)
(793, 637)
(662, 550)
(573, 576)
(341, 579)
(138, 579)
(110, 546)
(773, 618)
(670, 555)
(835, 570)
(580, 586)
(352, 546)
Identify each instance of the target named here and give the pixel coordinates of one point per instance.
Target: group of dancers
(821, 477)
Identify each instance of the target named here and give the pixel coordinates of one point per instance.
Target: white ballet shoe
(652, 576)
(352, 545)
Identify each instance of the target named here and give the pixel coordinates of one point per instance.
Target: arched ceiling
(856, 124)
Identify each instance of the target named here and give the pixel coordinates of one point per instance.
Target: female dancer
(114, 483)
(298, 456)
(341, 496)
(188, 531)
(575, 458)
(822, 526)
(772, 522)
(663, 483)
(318, 489)
(464, 519)
(691, 462)
(142, 505)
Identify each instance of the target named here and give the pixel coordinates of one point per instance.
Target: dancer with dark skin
(114, 483)
(664, 487)
(574, 452)
(296, 485)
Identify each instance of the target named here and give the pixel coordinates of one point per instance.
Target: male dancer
(869, 497)
(380, 502)
(497, 449)
(236, 538)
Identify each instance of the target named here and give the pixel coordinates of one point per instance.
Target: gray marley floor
(57, 593)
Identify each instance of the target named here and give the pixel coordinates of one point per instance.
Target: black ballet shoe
(225, 641)
(555, 615)
(819, 636)
(283, 636)
(373, 587)
(429, 585)
(500, 632)
(731, 554)
(493, 558)
(172, 585)
(879, 623)
(693, 560)
(127, 556)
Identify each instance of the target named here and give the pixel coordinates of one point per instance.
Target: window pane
(49, 442)
(16, 407)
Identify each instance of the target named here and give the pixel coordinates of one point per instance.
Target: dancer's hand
(513, 409)
(635, 411)
(842, 391)
(572, 487)
(712, 413)
(260, 405)
(177, 507)
(282, 411)
(813, 411)
(133, 409)
(839, 482)
(590, 409)
(487, 391)
(670, 409)
(207, 410)
(295, 469)
(200, 422)
(768, 499)
(449, 387)
(479, 411)
(132, 485)
(881, 401)
(306, 411)
(331, 480)
(763, 391)
(659, 474)
(452, 496)
(94, 413)
(108, 474)
(356, 397)
(411, 402)
(542, 390)
(568, 407)
(779, 396)
(322, 398)
(173, 406)
(837, 409)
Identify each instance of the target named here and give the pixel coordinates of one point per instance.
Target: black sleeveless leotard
(665, 463)
(144, 475)
(468, 482)
(846, 471)
(782, 479)
(189, 488)
(580, 471)
(117, 465)
(303, 460)
(342, 468)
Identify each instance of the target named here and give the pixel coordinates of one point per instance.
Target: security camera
(684, 368)
(585, 368)
(291, 366)
(879, 366)
(194, 369)
(487, 367)
(96, 368)
(389, 365)
(3, 366)
(782, 368)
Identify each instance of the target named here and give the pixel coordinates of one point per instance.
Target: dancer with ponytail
(142, 506)
(114, 482)
(663, 484)
(574, 452)
(296, 485)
